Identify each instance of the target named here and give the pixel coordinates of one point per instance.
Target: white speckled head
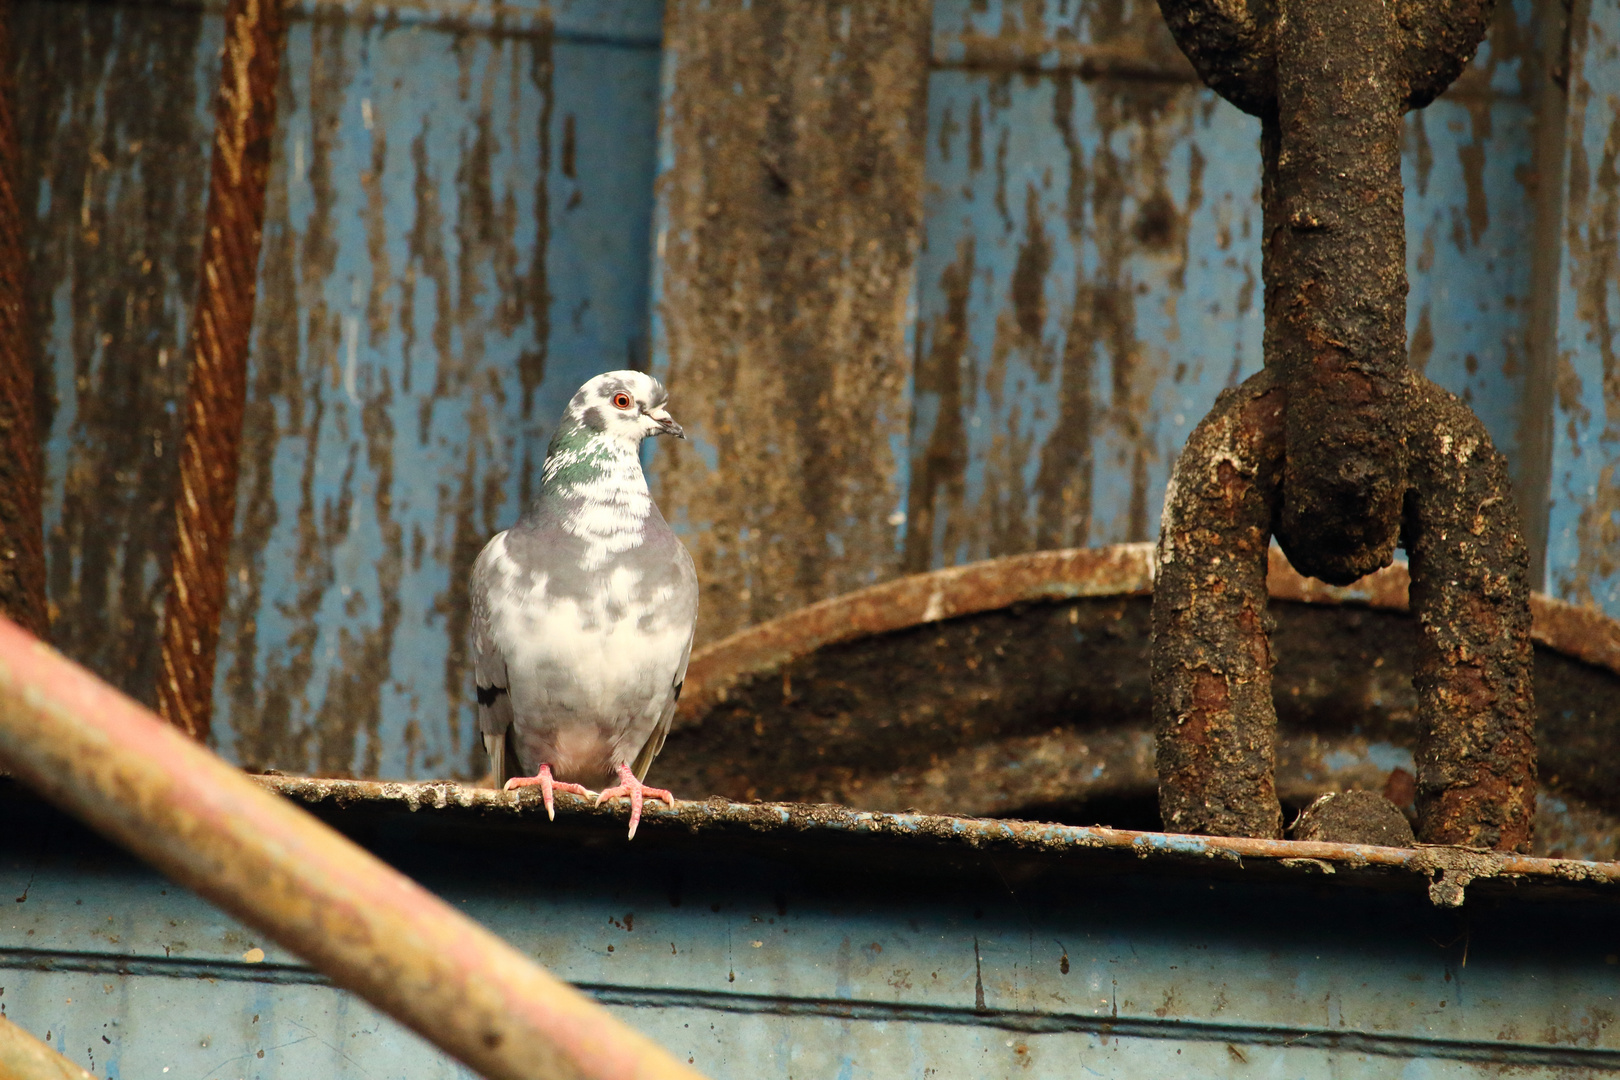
(623, 405)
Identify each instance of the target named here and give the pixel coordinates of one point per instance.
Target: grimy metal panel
(459, 231)
(456, 236)
(802, 946)
(1090, 278)
(1584, 531)
(789, 205)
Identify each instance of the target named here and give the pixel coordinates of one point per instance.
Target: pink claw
(547, 786)
(629, 785)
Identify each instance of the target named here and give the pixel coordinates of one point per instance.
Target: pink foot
(547, 786)
(629, 785)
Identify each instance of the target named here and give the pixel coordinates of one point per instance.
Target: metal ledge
(1445, 872)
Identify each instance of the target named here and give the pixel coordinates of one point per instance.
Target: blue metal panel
(1091, 272)
(1584, 531)
(803, 953)
(456, 237)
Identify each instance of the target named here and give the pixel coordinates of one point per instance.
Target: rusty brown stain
(109, 130)
(1420, 348)
(937, 486)
(217, 351)
(1019, 686)
(22, 543)
(1113, 201)
(1592, 237)
(793, 208)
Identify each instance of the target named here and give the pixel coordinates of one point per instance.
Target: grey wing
(489, 673)
(687, 598)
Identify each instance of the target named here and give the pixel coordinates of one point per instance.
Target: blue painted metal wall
(456, 237)
(1091, 269)
(458, 234)
(1584, 532)
(802, 954)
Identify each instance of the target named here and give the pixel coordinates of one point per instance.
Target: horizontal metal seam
(1034, 1023)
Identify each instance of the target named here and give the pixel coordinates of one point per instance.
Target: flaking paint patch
(113, 172)
(793, 205)
(1588, 506)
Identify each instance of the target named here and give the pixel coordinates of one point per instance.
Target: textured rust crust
(1330, 81)
(1369, 455)
(205, 511)
(1211, 667)
(1212, 692)
(1476, 754)
(22, 542)
(793, 209)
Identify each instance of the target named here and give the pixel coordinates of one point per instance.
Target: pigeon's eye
(622, 400)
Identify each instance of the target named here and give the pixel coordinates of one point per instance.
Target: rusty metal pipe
(23, 1057)
(216, 391)
(22, 542)
(102, 757)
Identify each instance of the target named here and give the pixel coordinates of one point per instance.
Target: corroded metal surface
(768, 942)
(23, 1057)
(918, 599)
(115, 133)
(1445, 873)
(408, 275)
(1019, 687)
(22, 550)
(216, 389)
(1090, 279)
(456, 236)
(93, 751)
(1476, 760)
(790, 215)
(1338, 450)
(1584, 530)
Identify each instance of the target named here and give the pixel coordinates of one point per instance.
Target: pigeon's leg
(629, 785)
(547, 786)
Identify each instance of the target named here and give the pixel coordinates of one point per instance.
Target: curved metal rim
(1047, 576)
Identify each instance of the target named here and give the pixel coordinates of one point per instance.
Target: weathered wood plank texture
(790, 203)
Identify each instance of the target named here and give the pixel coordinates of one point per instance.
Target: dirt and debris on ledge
(1446, 872)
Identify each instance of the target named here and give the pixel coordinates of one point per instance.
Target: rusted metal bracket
(1337, 448)
(22, 544)
(216, 393)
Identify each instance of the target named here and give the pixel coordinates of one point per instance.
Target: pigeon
(583, 612)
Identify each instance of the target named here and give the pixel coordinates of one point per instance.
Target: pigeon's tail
(503, 757)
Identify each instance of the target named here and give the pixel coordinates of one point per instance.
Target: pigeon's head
(626, 405)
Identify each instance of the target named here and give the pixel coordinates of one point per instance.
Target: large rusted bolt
(1337, 448)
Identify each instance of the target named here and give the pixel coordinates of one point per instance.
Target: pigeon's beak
(666, 423)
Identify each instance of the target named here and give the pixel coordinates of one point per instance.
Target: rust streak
(22, 541)
(211, 446)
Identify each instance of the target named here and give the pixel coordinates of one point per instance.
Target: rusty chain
(245, 120)
(1337, 448)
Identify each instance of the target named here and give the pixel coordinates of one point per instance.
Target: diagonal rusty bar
(23, 1057)
(102, 757)
(22, 545)
(205, 511)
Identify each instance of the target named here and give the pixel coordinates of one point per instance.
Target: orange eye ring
(622, 400)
